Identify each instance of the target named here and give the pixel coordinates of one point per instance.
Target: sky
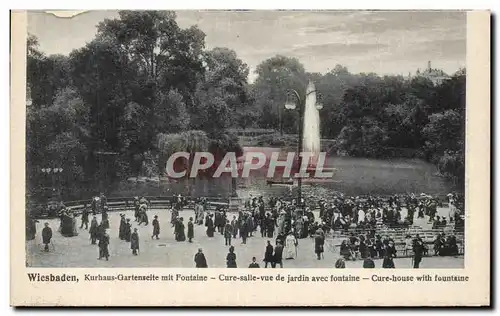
(398, 42)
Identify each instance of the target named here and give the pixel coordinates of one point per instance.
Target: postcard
(304, 158)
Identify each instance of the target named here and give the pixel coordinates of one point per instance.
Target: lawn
(362, 176)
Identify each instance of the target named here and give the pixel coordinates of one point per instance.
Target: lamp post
(52, 172)
(299, 105)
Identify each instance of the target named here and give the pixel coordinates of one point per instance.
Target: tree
(443, 132)
(221, 95)
(167, 56)
(98, 75)
(46, 75)
(214, 113)
(55, 137)
(274, 77)
(365, 140)
(332, 87)
(139, 77)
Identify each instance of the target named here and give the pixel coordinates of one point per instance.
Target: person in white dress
(281, 223)
(361, 216)
(452, 207)
(290, 246)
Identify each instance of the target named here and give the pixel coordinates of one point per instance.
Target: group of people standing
(344, 212)
(279, 218)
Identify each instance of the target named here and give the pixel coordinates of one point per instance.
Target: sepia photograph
(223, 156)
(246, 139)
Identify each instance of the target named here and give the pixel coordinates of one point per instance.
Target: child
(254, 263)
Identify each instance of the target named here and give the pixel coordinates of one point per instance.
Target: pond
(352, 176)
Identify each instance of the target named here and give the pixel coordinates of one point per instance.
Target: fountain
(311, 134)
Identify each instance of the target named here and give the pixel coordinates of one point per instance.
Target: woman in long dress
(231, 258)
(290, 246)
(452, 208)
(134, 242)
(200, 215)
(280, 223)
(210, 225)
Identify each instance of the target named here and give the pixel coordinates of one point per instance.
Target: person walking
(93, 230)
(121, 229)
(319, 242)
(156, 228)
(103, 245)
(128, 231)
(200, 260)
(190, 234)
(268, 256)
(390, 253)
(291, 246)
(180, 234)
(134, 242)
(209, 223)
(244, 229)
(231, 258)
(85, 218)
(235, 226)
(228, 233)
(46, 236)
(418, 251)
(278, 255)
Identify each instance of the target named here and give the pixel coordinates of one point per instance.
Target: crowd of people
(282, 223)
(342, 213)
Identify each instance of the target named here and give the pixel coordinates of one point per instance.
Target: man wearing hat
(85, 218)
(235, 225)
(268, 255)
(418, 251)
(128, 230)
(319, 242)
(156, 228)
(103, 245)
(389, 255)
(93, 230)
(104, 217)
(136, 208)
(228, 233)
(180, 235)
(200, 260)
(270, 224)
(190, 234)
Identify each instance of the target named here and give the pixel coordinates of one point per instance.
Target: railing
(121, 204)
